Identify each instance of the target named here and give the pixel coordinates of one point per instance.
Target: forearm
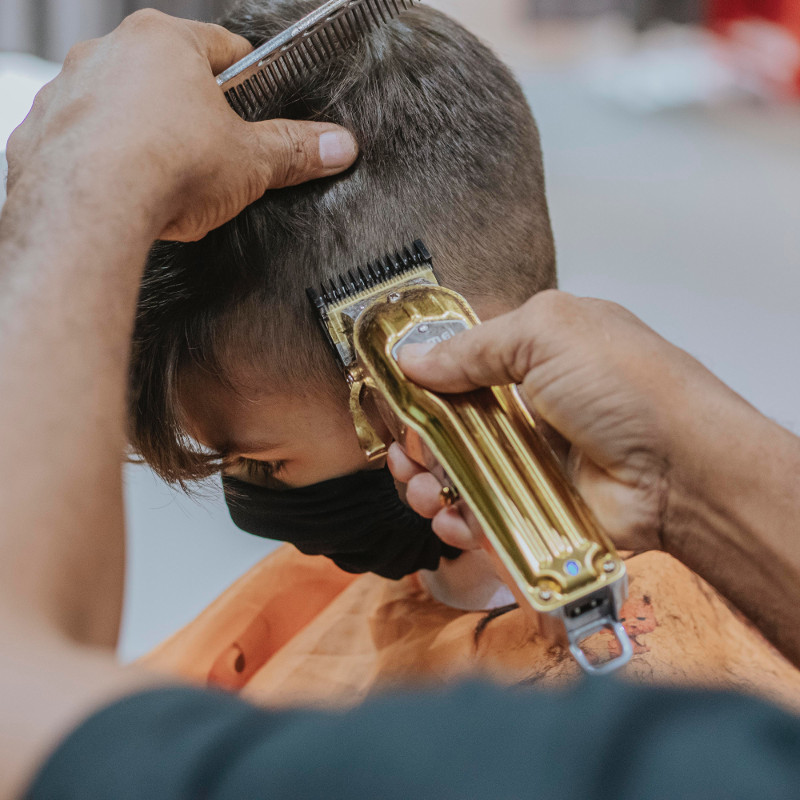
(734, 512)
(65, 318)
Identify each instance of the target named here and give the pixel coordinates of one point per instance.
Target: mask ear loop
(373, 446)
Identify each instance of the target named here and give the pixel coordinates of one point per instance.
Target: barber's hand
(138, 115)
(606, 382)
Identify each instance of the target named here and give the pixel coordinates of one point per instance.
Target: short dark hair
(450, 154)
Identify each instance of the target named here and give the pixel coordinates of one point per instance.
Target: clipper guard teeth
(339, 302)
(371, 276)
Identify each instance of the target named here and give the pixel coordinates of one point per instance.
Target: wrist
(707, 436)
(89, 190)
(732, 512)
(50, 205)
(711, 466)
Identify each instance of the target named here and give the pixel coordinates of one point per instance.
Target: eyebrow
(237, 448)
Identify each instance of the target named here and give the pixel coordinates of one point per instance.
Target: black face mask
(358, 521)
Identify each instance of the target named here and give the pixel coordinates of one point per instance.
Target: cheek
(330, 452)
(342, 447)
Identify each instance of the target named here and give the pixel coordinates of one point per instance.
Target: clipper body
(484, 445)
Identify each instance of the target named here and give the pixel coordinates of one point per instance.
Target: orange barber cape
(297, 630)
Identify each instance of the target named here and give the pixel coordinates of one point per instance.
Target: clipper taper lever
(545, 542)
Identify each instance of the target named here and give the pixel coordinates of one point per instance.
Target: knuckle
(42, 97)
(14, 148)
(607, 316)
(208, 29)
(197, 32)
(559, 314)
(543, 322)
(603, 307)
(15, 140)
(12, 144)
(78, 52)
(293, 152)
(551, 307)
(145, 18)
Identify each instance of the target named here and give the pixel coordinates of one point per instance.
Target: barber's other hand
(606, 382)
(138, 116)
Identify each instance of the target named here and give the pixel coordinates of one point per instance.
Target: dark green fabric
(600, 740)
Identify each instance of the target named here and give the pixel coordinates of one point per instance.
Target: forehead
(256, 415)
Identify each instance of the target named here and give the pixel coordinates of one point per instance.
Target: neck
(469, 583)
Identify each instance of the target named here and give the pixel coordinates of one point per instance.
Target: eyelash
(262, 469)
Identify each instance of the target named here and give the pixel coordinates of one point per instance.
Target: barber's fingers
(400, 465)
(423, 495)
(281, 152)
(286, 153)
(221, 47)
(218, 46)
(450, 527)
(262, 156)
(295, 152)
(500, 351)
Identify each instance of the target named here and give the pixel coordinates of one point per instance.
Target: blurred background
(671, 135)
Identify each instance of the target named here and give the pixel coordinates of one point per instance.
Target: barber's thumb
(296, 151)
(435, 366)
(481, 356)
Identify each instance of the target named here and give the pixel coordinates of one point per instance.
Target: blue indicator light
(572, 567)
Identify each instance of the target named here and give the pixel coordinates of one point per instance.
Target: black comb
(281, 63)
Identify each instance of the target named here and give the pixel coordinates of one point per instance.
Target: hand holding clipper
(482, 445)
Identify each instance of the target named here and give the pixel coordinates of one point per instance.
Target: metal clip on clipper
(483, 447)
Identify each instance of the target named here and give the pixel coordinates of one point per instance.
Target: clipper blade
(340, 302)
(281, 63)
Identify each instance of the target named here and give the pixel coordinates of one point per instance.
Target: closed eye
(261, 469)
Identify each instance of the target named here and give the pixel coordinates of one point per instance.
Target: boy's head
(227, 351)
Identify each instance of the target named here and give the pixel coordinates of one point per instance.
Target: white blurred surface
(21, 76)
(689, 218)
(182, 552)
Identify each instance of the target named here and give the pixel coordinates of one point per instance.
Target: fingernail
(416, 351)
(337, 149)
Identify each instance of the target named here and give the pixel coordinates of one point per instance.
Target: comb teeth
(282, 63)
(371, 275)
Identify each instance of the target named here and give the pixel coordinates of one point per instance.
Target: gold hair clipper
(483, 446)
